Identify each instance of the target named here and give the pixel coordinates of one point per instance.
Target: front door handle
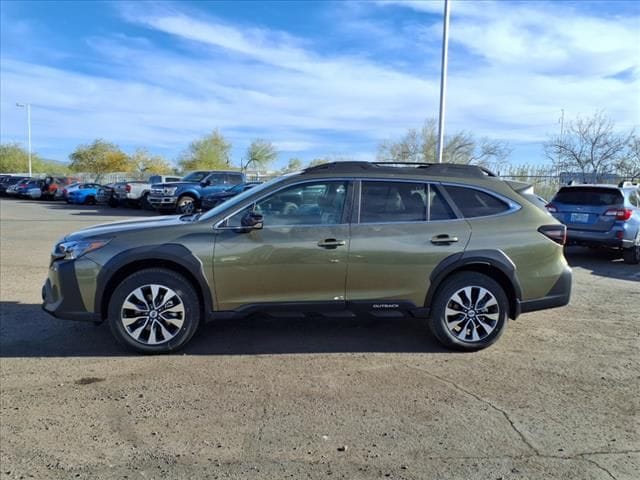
(331, 243)
(443, 239)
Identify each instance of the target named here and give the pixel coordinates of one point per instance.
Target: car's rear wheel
(631, 255)
(469, 311)
(186, 205)
(154, 311)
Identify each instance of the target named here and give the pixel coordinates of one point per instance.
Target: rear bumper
(615, 238)
(558, 296)
(61, 294)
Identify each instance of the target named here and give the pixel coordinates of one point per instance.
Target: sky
(317, 79)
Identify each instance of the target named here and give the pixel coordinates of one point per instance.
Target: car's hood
(108, 230)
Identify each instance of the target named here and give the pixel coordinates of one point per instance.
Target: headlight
(170, 190)
(74, 249)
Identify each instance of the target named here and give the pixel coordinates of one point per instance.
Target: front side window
(475, 203)
(216, 178)
(195, 177)
(234, 179)
(317, 203)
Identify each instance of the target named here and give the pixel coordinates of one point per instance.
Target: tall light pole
(443, 79)
(28, 107)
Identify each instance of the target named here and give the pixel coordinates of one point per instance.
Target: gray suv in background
(601, 216)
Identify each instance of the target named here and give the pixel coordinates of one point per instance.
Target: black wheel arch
(171, 256)
(493, 263)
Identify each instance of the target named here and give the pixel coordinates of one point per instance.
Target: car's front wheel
(631, 255)
(469, 311)
(186, 205)
(154, 311)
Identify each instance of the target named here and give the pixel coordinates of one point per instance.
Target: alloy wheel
(187, 207)
(152, 314)
(472, 313)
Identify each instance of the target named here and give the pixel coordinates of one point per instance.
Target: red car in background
(53, 184)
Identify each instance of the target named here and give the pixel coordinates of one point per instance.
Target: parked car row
(596, 215)
(201, 190)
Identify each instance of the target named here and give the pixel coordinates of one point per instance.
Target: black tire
(144, 203)
(443, 324)
(113, 203)
(186, 205)
(631, 255)
(90, 200)
(172, 281)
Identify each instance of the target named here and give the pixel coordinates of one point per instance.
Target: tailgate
(585, 208)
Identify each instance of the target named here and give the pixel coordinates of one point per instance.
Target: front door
(300, 254)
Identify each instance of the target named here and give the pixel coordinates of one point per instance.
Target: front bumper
(162, 203)
(558, 296)
(61, 294)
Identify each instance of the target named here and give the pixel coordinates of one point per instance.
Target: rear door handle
(330, 243)
(443, 239)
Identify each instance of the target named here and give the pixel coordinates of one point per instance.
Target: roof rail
(441, 169)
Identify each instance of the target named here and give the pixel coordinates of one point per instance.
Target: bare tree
(461, 147)
(629, 165)
(590, 145)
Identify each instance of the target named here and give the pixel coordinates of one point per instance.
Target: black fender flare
(474, 259)
(170, 252)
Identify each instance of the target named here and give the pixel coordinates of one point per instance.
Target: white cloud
(517, 66)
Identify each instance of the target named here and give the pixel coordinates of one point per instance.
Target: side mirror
(205, 183)
(252, 221)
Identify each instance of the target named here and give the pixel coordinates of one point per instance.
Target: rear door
(402, 231)
(585, 208)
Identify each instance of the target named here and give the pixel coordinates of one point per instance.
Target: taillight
(623, 214)
(127, 188)
(552, 208)
(557, 233)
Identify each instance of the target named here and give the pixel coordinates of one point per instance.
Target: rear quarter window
(475, 203)
(595, 197)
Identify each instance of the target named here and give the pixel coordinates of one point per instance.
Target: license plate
(579, 217)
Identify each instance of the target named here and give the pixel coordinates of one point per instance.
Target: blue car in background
(86, 193)
(601, 216)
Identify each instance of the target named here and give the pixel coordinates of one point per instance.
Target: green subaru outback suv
(452, 244)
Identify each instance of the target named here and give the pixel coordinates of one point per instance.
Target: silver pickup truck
(136, 193)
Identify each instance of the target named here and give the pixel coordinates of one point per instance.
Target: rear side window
(595, 197)
(383, 202)
(475, 203)
(634, 198)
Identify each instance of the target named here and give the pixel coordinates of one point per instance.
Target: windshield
(195, 177)
(229, 204)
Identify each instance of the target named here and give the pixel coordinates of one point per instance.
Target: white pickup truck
(135, 193)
